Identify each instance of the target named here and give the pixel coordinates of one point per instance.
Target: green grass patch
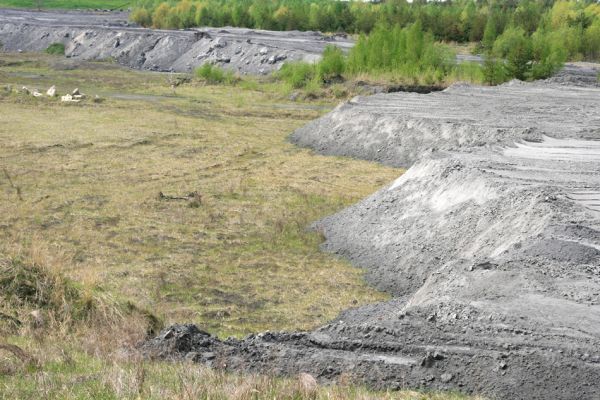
(57, 49)
(213, 74)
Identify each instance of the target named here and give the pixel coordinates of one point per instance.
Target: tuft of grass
(297, 74)
(57, 49)
(30, 285)
(213, 74)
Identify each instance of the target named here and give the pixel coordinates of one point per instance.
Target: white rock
(52, 91)
(69, 99)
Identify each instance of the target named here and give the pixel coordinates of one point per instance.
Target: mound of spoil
(491, 251)
(102, 36)
(396, 129)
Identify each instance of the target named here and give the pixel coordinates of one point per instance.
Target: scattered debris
(69, 99)
(194, 198)
(12, 185)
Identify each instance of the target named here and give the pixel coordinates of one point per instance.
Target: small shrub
(26, 286)
(297, 74)
(339, 91)
(313, 90)
(57, 49)
(332, 65)
(468, 71)
(494, 71)
(213, 74)
(516, 47)
(141, 16)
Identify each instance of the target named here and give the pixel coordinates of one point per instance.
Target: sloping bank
(489, 243)
(101, 36)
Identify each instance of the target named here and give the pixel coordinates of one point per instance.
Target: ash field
(489, 243)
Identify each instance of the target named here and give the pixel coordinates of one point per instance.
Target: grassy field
(237, 260)
(156, 204)
(67, 4)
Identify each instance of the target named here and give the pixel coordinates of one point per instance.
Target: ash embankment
(104, 36)
(397, 128)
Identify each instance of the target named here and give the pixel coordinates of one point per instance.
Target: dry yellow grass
(236, 260)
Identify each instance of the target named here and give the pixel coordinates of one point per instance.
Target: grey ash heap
(489, 244)
(102, 36)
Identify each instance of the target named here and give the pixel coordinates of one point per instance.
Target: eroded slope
(101, 36)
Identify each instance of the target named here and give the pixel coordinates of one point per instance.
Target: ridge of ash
(102, 36)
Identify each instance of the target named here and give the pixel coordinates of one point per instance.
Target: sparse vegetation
(213, 74)
(297, 74)
(407, 55)
(57, 49)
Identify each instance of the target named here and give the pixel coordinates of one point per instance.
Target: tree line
(575, 23)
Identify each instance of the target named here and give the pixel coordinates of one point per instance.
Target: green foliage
(516, 48)
(56, 49)
(407, 54)
(489, 34)
(141, 16)
(409, 51)
(576, 24)
(469, 72)
(515, 54)
(548, 55)
(213, 74)
(494, 71)
(297, 74)
(332, 65)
